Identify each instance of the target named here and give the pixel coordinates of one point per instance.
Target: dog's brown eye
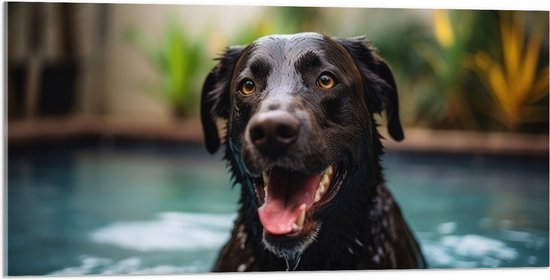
(247, 87)
(326, 81)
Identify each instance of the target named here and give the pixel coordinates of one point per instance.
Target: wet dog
(301, 140)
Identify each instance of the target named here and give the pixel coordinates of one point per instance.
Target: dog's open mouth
(289, 199)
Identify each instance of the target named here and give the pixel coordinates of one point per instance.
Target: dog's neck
(358, 219)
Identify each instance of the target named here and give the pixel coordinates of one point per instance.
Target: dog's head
(299, 112)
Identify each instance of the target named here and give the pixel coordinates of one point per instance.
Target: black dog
(302, 142)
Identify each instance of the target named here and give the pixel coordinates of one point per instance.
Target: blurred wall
(129, 75)
(113, 76)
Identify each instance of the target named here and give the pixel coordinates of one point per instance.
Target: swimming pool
(167, 209)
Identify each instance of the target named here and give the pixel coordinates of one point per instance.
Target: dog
(301, 140)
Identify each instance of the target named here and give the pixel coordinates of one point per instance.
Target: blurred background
(107, 174)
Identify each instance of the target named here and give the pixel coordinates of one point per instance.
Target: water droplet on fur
(292, 260)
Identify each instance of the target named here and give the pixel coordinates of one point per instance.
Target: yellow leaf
(530, 64)
(498, 84)
(442, 28)
(512, 44)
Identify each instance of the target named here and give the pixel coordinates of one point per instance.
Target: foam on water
(445, 248)
(196, 232)
(133, 265)
(171, 231)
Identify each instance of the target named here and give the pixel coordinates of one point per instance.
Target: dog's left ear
(215, 96)
(378, 80)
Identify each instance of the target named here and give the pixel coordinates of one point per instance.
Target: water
(474, 211)
(146, 210)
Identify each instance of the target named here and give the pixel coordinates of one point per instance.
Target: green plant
(282, 20)
(445, 104)
(412, 73)
(178, 61)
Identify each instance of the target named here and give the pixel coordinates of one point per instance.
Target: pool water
(167, 209)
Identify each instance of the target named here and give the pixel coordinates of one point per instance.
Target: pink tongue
(288, 194)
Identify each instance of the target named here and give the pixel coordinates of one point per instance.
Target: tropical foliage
(455, 69)
(517, 82)
(178, 61)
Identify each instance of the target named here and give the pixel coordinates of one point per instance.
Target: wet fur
(362, 227)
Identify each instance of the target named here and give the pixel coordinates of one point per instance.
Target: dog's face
(299, 115)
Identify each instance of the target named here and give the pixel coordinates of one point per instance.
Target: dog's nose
(273, 132)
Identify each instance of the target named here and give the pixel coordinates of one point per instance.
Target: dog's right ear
(379, 79)
(215, 96)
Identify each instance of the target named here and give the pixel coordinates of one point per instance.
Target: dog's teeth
(320, 191)
(301, 219)
(323, 186)
(265, 176)
(324, 183)
(317, 196)
(329, 171)
(325, 180)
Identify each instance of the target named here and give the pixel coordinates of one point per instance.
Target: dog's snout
(273, 132)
